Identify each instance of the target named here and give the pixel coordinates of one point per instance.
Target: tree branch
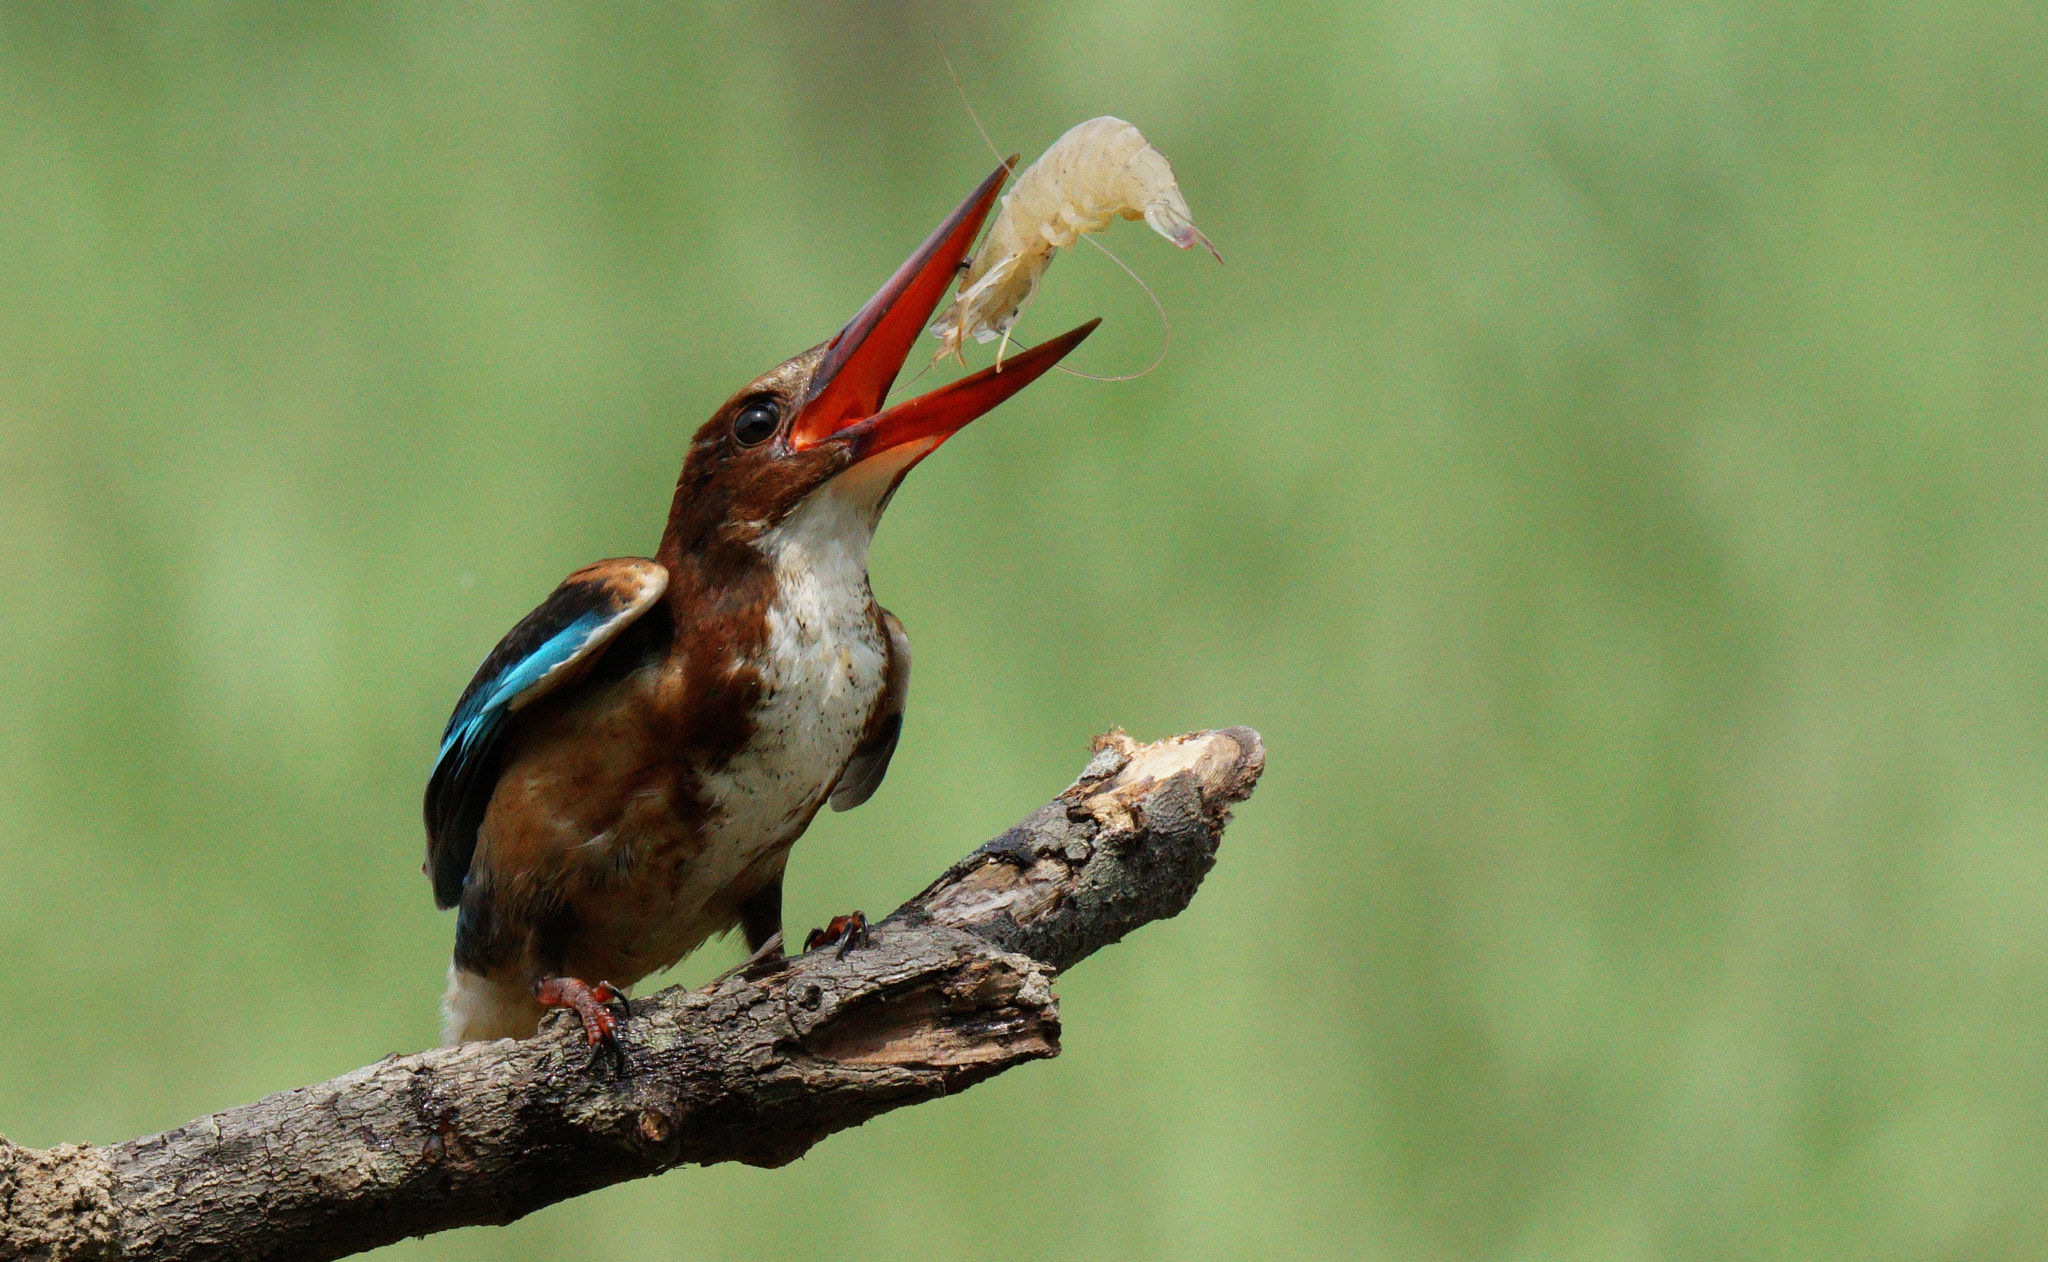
(954, 987)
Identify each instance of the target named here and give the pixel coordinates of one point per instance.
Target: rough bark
(954, 987)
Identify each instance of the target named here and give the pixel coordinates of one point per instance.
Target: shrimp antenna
(1165, 325)
(961, 88)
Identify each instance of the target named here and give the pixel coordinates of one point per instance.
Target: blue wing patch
(550, 648)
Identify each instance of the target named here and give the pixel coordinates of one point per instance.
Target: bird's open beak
(861, 363)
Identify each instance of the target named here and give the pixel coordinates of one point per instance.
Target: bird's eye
(755, 423)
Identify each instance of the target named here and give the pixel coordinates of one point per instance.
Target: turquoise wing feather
(549, 649)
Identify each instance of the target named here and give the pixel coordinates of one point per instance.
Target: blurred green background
(1609, 470)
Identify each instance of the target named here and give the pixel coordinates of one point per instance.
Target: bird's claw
(607, 1049)
(844, 932)
(591, 1004)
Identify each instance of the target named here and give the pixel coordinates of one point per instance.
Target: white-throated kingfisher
(626, 774)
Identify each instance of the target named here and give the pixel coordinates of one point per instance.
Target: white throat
(829, 532)
(824, 669)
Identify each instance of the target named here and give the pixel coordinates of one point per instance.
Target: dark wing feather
(550, 648)
(864, 771)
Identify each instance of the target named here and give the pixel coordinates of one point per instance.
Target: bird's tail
(477, 1007)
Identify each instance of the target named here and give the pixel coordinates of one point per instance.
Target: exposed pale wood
(954, 987)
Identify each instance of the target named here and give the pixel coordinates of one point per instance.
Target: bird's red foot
(589, 1003)
(845, 932)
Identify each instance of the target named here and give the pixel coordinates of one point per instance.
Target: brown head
(815, 425)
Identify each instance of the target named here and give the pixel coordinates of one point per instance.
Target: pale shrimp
(1099, 171)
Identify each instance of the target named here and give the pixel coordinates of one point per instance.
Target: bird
(627, 771)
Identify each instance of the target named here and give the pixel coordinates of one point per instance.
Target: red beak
(861, 363)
